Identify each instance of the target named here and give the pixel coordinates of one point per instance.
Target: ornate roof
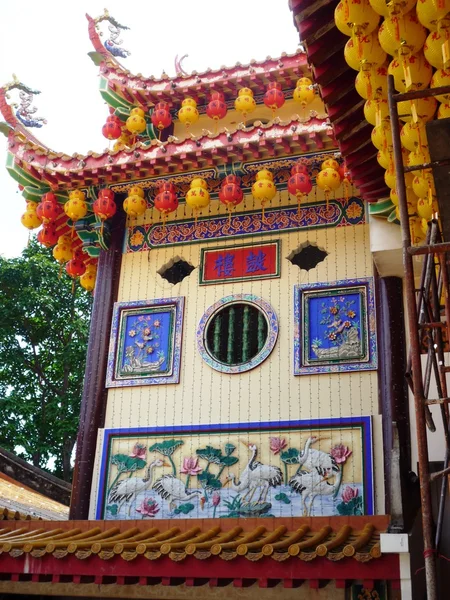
(18, 502)
(324, 45)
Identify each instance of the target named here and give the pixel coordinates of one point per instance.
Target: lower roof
(240, 552)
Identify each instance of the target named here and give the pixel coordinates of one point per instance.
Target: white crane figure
(255, 476)
(174, 490)
(126, 489)
(310, 484)
(311, 459)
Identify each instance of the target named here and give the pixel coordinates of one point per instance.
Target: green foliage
(113, 508)
(208, 481)
(282, 498)
(210, 454)
(43, 339)
(352, 508)
(185, 509)
(166, 448)
(290, 457)
(229, 448)
(127, 464)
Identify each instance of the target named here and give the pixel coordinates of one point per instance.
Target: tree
(44, 329)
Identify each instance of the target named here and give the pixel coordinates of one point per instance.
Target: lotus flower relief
(148, 508)
(139, 451)
(348, 493)
(190, 466)
(340, 453)
(277, 444)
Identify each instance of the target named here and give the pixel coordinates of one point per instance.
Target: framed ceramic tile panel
(238, 263)
(317, 467)
(335, 327)
(145, 345)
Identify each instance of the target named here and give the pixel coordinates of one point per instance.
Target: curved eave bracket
(5, 128)
(96, 58)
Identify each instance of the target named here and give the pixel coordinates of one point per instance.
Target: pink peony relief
(348, 493)
(340, 453)
(190, 466)
(148, 508)
(139, 451)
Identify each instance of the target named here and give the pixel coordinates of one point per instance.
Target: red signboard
(235, 263)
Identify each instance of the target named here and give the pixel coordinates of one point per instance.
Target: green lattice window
(236, 333)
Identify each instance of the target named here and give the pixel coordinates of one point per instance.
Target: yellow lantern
(304, 92)
(382, 136)
(413, 135)
(197, 196)
(365, 52)
(417, 233)
(135, 204)
(62, 252)
(330, 163)
(425, 208)
(433, 14)
(394, 7)
(441, 78)
(391, 180)
(87, 280)
(411, 199)
(76, 207)
(29, 219)
(328, 180)
(403, 34)
(245, 103)
(423, 185)
(264, 188)
(444, 111)
(419, 156)
(355, 18)
(410, 72)
(422, 109)
(136, 122)
(372, 84)
(376, 111)
(436, 49)
(188, 113)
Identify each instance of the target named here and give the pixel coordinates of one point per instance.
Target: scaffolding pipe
(419, 400)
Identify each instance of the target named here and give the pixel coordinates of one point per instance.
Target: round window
(237, 333)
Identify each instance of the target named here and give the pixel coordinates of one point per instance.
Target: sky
(46, 45)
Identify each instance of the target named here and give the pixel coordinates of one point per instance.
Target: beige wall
(269, 392)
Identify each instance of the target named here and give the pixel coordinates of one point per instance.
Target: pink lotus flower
(215, 499)
(148, 508)
(277, 444)
(348, 493)
(139, 451)
(340, 453)
(190, 466)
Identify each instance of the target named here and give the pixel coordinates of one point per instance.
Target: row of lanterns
(216, 109)
(414, 53)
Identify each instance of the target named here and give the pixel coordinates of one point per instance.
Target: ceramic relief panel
(284, 469)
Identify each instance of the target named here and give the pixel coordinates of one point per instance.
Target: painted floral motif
(354, 210)
(137, 239)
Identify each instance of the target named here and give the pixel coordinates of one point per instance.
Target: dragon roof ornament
(113, 43)
(24, 111)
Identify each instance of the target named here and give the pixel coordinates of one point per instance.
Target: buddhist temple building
(246, 427)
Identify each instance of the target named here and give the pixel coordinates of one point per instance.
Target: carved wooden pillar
(93, 403)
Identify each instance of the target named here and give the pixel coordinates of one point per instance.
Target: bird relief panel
(285, 469)
(145, 345)
(335, 327)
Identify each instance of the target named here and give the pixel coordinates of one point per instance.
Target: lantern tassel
(164, 219)
(73, 287)
(327, 198)
(60, 270)
(229, 209)
(299, 202)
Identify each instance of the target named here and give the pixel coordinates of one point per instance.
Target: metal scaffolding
(429, 328)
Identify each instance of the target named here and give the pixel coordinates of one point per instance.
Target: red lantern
(274, 97)
(104, 207)
(47, 236)
(48, 210)
(231, 193)
(216, 109)
(75, 268)
(299, 183)
(161, 117)
(112, 129)
(166, 200)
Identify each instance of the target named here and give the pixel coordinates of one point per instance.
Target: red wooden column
(93, 402)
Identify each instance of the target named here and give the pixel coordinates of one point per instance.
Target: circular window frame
(272, 332)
